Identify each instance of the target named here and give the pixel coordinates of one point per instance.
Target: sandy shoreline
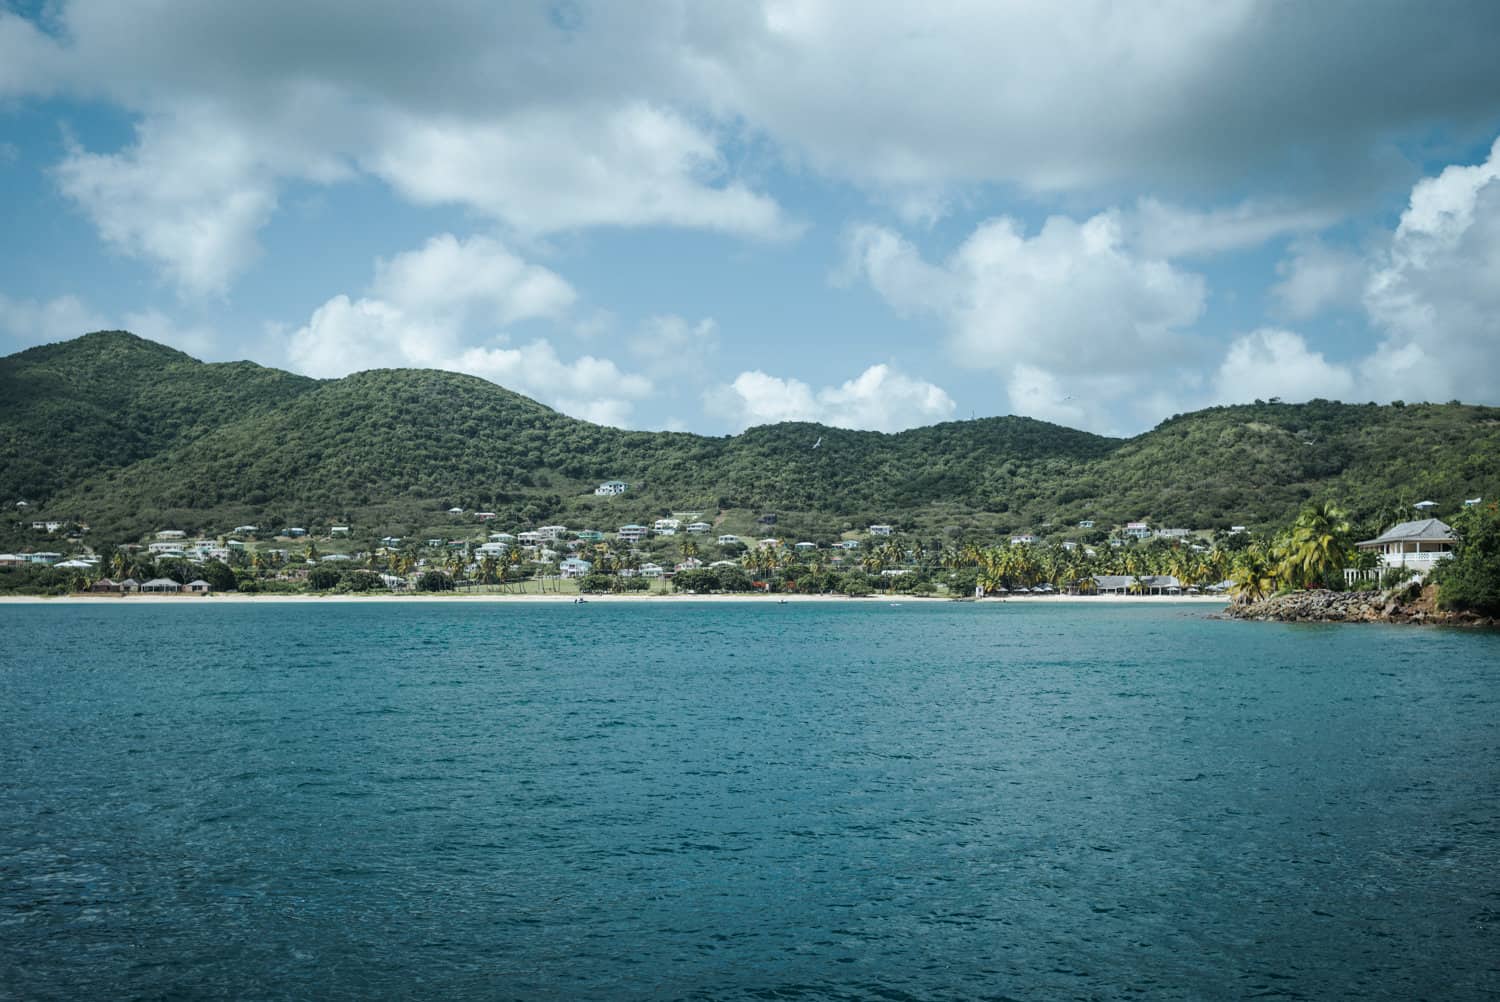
(235, 597)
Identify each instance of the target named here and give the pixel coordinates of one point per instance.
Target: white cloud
(1434, 295)
(442, 306)
(879, 399)
(189, 196)
(1160, 229)
(1278, 363)
(547, 170)
(1065, 315)
(1317, 277)
(674, 348)
(32, 322)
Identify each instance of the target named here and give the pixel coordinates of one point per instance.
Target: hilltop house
(698, 528)
(590, 535)
(171, 534)
(1086, 523)
(1024, 539)
(1414, 546)
(1172, 533)
(1138, 530)
(611, 487)
(881, 530)
(728, 540)
(666, 526)
(338, 530)
(632, 533)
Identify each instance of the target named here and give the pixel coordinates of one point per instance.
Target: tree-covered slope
(71, 410)
(181, 443)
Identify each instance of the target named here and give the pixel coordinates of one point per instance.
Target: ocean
(742, 801)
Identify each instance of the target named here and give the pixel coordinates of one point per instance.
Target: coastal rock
(1320, 606)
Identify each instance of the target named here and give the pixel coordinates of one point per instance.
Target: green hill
(130, 436)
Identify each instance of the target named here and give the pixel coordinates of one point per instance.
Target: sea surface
(742, 801)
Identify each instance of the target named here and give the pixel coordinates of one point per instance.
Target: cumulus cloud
(1433, 293)
(1074, 298)
(1317, 277)
(444, 306)
(30, 321)
(1278, 363)
(879, 399)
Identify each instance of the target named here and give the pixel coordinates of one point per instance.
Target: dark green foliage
(218, 574)
(1471, 580)
(130, 437)
(323, 579)
(705, 580)
(434, 581)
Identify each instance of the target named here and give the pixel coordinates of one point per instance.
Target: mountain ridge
(129, 436)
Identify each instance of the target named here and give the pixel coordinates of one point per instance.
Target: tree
(323, 578)
(434, 580)
(1320, 543)
(1471, 579)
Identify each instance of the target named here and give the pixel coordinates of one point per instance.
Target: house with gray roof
(1416, 546)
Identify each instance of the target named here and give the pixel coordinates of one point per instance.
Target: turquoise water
(742, 801)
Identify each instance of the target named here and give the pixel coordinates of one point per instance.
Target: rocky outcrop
(1355, 607)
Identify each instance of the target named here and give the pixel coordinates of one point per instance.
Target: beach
(572, 599)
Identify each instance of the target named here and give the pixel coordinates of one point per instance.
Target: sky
(707, 216)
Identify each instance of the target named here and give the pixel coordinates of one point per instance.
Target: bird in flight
(818, 442)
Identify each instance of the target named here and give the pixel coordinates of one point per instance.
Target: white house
(529, 538)
(881, 530)
(1172, 533)
(484, 516)
(246, 530)
(768, 544)
(1024, 539)
(1425, 505)
(552, 533)
(338, 530)
(502, 537)
(698, 528)
(1235, 530)
(632, 533)
(1414, 546)
(805, 546)
(573, 567)
(651, 571)
(171, 534)
(1471, 502)
(846, 544)
(611, 487)
(1138, 530)
(689, 564)
(455, 510)
(1086, 523)
(728, 540)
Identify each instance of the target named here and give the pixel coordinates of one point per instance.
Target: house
(171, 534)
(649, 570)
(250, 530)
(160, 549)
(728, 540)
(589, 536)
(105, 586)
(529, 538)
(1160, 584)
(396, 541)
(805, 547)
(199, 587)
(1235, 530)
(295, 532)
(611, 487)
(1471, 502)
(689, 564)
(632, 533)
(1024, 539)
(491, 549)
(1172, 533)
(698, 528)
(130, 586)
(50, 525)
(1112, 584)
(1138, 530)
(455, 510)
(502, 537)
(1414, 546)
(161, 586)
(42, 557)
(573, 567)
(1069, 545)
(847, 544)
(1086, 523)
(1425, 505)
(769, 544)
(13, 560)
(552, 533)
(338, 530)
(336, 558)
(484, 516)
(881, 530)
(666, 526)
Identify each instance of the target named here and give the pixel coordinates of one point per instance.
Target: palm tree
(1319, 543)
(1254, 574)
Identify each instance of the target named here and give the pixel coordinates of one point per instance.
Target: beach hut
(199, 587)
(161, 586)
(130, 586)
(104, 586)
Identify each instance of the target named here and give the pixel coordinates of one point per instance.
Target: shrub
(1471, 580)
(434, 581)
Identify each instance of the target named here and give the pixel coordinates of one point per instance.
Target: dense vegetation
(129, 436)
(1471, 580)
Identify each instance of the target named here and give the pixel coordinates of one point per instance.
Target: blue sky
(708, 216)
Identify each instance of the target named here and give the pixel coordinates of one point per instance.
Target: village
(688, 552)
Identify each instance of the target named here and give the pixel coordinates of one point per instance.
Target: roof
(1425, 529)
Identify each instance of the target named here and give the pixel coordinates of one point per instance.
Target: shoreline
(570, 599)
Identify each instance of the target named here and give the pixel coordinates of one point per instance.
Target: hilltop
(130, 436)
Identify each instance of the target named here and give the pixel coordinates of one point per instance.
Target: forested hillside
(131, 436)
